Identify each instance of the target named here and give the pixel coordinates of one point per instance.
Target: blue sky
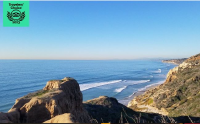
(104, 30)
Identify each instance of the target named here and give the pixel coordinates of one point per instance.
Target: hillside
(178, 96)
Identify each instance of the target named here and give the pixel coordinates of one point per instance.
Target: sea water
(114, 78)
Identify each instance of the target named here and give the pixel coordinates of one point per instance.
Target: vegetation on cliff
(179, 95)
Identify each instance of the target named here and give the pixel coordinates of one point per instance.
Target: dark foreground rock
(107, 109)
(12, 116)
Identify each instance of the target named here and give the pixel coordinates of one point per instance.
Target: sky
(104, 30)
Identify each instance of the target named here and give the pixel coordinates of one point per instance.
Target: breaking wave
(127, 82)
(92, 85)
(158, 71)
(120, 89)
(143, 89)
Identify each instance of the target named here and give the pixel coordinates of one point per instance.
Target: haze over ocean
(116, 78)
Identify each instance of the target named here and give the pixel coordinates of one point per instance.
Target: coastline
(126, 100)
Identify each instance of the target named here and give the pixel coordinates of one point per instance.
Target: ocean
(114, 78)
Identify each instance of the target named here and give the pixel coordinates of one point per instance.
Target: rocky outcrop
(56, 98)
(174, 61)
(179, 95)
(64, 118)
(107, 109)
(12, 116)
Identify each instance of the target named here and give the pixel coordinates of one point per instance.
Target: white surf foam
(120, 89)
(160, 82)
(139, 82)
(158, 71)
(92, 85)
(143, 89)
(130, 83)
(131, 94)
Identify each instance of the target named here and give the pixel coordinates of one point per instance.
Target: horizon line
(97, 59)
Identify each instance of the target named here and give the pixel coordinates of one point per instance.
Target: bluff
(56, 98)
(175, 61)
(178, 96)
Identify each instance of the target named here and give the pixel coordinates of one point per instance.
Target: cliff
(178, 96)
(56, 98)
(175, 61)
(61, 101)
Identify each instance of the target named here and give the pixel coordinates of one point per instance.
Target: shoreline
(126, 100)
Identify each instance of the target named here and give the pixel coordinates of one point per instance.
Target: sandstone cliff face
(179, 95)
(64, 118)
(57, 97)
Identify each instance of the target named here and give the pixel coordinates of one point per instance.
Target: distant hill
(178, 96)
(174, 61)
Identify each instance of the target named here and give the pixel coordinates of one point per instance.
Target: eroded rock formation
(56, 98)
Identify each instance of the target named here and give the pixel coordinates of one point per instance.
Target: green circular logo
(16, 14)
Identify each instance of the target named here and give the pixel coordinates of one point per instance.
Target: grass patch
(150, 101)
(36, 94)
(41, 93)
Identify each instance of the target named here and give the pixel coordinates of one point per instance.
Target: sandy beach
(126, 100)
